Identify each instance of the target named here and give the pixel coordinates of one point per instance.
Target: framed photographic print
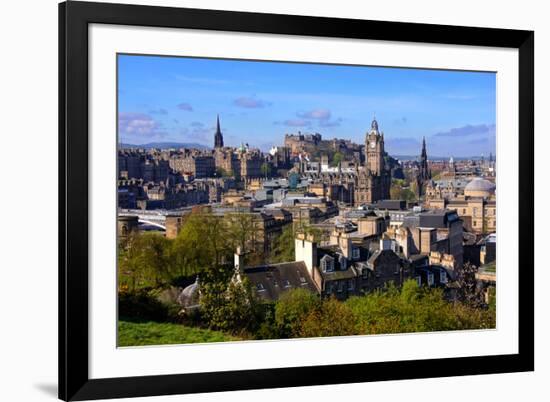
(259, 200)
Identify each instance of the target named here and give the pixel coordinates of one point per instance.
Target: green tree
(291, 310)
(266, 169)
(242, 230)
(330, 318)
(283, 246)
(203, 245)
(144, 261)
(229, 306)
(337, 158)
(131, 271)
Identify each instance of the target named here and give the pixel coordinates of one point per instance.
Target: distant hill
(437, 158)
(165, 145)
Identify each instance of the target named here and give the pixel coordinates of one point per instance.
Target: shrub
(292, 308)
(141, 305)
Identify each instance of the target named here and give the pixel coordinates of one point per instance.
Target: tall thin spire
(218, 137)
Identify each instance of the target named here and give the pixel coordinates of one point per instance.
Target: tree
(291, 310)
(395, 191)
(337, 158)
(242, 230)
(154, 249)
(330, 318)
(221, 172)
(283, 246)
(203, 245)
(468, 291)
(130, 268)
(266, 169)
(228, 306)
(144, 261)
(414, 309)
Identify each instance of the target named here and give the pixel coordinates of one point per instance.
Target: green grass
(155, 333)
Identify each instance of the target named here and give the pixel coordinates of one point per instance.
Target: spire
(218, 137)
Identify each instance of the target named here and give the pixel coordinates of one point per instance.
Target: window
(443, 277)
(327, 264)
(351, 284)
(259, 287)
(365, 273)
(430, 279)
(286, 283)
(328, 288)
(419, 281)
(355, 253)
(340, 286)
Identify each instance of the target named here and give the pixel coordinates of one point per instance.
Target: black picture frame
(74, 18)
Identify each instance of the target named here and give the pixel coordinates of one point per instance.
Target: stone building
(364, 184)
(228, 162)
(302, 143)
(193, 162)
(126, 225)
(476, 207)
(173, 223)
(439, 231)
(137, 164)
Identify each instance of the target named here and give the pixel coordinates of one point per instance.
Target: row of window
(339, 286)
(431, 278)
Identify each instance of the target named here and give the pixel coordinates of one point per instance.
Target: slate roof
(270, 281)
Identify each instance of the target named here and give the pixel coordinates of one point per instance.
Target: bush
(141, 305)
(330, 318)
(291, 310)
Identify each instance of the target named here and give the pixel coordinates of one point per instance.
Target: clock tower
(374, 150)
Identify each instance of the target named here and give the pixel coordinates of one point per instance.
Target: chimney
(239, 260)
(305, 249)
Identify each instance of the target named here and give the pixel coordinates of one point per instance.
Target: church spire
(218, 137)
(424, 173)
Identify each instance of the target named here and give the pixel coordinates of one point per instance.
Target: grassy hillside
(155, 333)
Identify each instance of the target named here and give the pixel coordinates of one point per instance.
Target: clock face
(372, 144)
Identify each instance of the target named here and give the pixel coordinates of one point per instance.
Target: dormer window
(430, 279)
(343, 262)
(327, 264)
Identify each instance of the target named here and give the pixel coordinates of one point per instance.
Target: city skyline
(175, 99)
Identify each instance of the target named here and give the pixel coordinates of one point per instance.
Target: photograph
(270, 200)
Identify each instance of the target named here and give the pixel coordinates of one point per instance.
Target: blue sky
(177, 99)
